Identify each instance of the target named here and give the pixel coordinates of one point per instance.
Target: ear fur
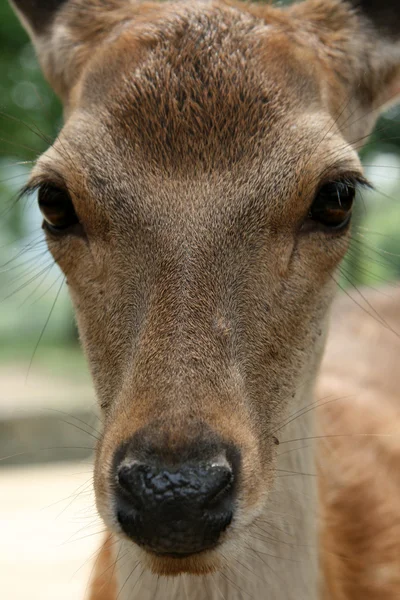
(358, 47)
(384, 15)
(66, 33)
(380, 19)
(37, 15)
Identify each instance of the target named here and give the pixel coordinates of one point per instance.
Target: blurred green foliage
(30, 116)
(24, 95)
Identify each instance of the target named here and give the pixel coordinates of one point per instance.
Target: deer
(198, 200)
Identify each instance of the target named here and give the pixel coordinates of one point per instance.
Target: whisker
(339, 435)
(30, 452)
(56, 410)
(127, 579)
(82, 487)
(44, 328)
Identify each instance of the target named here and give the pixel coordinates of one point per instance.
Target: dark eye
(333, 204)
(57, 209)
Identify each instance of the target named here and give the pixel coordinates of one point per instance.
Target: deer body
(198, 200)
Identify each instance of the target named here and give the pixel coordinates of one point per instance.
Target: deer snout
(175, 510)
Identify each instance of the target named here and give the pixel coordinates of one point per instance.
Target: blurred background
(48, 421)
(48, 523)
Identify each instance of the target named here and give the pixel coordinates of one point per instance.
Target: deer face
(198, 201)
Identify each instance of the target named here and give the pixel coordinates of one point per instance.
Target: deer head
(198, 201)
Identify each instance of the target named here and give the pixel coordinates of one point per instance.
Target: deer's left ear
(380, 28)
(384, 15)
(358, 47)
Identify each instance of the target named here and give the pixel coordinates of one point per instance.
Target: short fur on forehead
(191, 97)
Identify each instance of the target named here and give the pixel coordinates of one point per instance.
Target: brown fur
(196, 136)
(104, 583)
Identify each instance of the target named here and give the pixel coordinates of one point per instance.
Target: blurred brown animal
(359, 459)
(198, 201)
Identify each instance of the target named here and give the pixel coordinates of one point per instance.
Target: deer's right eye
(57, 209)
(333, 205)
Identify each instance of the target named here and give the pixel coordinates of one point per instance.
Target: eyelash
(57, 208)
(332, 206)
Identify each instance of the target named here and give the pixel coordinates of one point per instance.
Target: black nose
(175, 510)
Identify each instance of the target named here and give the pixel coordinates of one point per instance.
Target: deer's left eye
(333, 205)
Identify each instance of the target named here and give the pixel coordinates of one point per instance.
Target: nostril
(221, 481)
(131, 480)
(124, 478)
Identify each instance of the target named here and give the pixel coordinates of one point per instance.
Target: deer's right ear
(37, 15)
(68, 33)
